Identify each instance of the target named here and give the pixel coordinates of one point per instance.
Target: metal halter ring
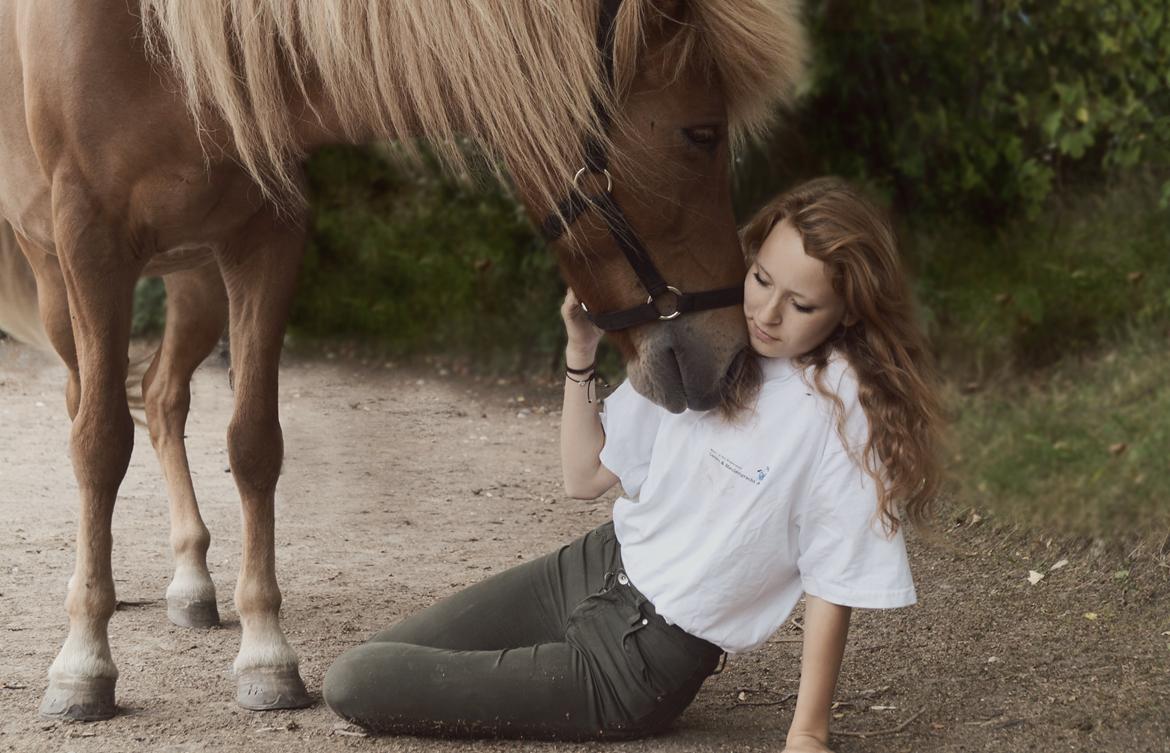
(677, 293)
(604, 171)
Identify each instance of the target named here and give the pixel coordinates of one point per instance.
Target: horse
(145, 134)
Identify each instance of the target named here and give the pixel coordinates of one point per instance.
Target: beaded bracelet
(589, 381)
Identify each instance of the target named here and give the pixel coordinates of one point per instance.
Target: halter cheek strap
(664, 301)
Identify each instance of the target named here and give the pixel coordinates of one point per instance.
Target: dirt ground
(402, 485)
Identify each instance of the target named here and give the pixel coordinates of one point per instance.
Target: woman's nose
(771, 313)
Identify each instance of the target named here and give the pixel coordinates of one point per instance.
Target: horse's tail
(19, 316)
(134, 390)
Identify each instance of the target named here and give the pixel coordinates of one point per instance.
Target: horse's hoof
(265, 689)
(81, 700)
(193, 614)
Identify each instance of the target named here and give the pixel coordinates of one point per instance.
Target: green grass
(1025, 295)
(1081, 448)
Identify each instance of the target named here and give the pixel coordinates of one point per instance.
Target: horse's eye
(705, 136)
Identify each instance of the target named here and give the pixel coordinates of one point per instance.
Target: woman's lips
(761, 334)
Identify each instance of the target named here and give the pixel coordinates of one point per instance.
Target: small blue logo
(762, 472)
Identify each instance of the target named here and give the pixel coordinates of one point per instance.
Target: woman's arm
(826, 626)
(581, 434)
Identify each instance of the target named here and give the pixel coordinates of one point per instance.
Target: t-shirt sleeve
(631, 423)
(845, 557)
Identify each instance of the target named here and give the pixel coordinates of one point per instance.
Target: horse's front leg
(99, 273)
(260, 273)
(196, 315)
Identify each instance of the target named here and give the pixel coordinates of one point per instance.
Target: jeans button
(623, 579)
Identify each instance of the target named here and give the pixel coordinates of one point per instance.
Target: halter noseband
(574, 205)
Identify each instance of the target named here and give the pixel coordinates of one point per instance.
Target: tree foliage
(987, 106)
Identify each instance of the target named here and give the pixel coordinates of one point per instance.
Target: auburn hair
(879, 337)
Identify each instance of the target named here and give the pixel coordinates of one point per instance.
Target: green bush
(980, 109)
(422, 262)
(150, 307)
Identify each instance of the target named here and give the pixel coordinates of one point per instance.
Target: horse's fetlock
(191, 543)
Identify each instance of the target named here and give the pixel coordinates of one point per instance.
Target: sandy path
(400, 487)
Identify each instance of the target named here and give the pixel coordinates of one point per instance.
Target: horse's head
(669, 168)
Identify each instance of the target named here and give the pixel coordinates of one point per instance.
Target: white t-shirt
(723, 526)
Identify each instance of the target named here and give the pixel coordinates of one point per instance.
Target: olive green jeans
(563, 647)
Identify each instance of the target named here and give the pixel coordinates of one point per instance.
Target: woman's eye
(705, 136)
(803, 309)
(759, 279)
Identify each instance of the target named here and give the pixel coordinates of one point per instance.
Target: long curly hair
(882, 340)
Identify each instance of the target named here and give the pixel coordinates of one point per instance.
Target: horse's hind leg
(260, 272)
(196, 315)
(99, 273)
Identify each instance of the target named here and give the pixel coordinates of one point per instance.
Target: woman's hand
(805, 744)
(583, 336)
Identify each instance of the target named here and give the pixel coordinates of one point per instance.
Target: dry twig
(883, 732)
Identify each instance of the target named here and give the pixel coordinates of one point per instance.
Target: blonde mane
(518, 77)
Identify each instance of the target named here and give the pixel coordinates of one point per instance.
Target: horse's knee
(101, 441)
(255, 448)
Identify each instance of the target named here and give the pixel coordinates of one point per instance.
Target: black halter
(656, 307)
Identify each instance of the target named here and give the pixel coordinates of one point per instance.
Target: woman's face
(788, 297)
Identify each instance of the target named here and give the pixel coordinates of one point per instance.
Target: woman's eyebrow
(793, 293)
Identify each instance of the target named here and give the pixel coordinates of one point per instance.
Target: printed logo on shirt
(727, 463)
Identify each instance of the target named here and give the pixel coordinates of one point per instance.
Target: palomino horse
(149, 132)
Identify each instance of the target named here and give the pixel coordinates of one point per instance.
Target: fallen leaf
(1117, 449)
(1035, 577)
(1090, 615)
(1121, 575)
(883, 708)
(347, 730)
(1058, 565)
(993, 660)
(1135, 277)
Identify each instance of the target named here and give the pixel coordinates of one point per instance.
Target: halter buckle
(604, 171)
(654, 301)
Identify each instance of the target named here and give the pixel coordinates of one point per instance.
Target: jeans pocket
(664, 656)
(635, 657)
